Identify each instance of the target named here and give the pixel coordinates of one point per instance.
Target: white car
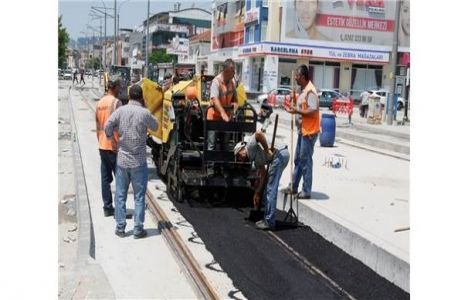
(67, 75)
(275, 97)
(382, 94)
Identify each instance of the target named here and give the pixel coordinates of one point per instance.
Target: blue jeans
(108, 162)
(139, 178)
(280, 161)
(303, 163)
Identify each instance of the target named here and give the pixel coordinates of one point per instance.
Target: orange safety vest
(226, 95)
(310, 123)
(104, 108)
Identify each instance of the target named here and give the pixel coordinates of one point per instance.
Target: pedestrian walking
(131, 121)
(75, 77)
(82, 77)
(309, 127)
(364, 105)
(107, 146)
(256, 150)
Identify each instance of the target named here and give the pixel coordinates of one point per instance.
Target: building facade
(167, 30)
(346, 44)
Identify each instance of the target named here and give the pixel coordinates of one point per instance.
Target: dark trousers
(108, 163)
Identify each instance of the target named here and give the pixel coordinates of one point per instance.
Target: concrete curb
(384, 131)
(401, 148)
(356, 137)
(89, 280)
(384, 263)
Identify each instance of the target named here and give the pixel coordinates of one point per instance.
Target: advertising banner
(285, 50)
(270, 73)
(404, 30)
(228, 24)
(359, 24)
(178, 46)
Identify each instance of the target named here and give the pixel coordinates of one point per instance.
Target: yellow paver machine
(180, 145)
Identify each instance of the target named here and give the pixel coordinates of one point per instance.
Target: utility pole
(391, 93)
(115, 32)
(98, 9)
(147, 40)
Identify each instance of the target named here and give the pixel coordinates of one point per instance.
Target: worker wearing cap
(256, 150)
(107, 146)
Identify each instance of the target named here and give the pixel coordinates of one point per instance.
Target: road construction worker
(255, 149)
(308, 109)
(107, 146)
(223, 95)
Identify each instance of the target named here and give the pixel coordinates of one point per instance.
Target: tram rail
(175, 242)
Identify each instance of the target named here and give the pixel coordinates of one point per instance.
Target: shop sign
(315, 52)
(164, 65)
(249, 50)
(252, 16)
(355, 55)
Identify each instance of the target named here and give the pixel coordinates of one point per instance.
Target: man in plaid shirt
(131, 121)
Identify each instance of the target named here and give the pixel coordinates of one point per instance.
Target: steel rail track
(175, 242)
(180, 249)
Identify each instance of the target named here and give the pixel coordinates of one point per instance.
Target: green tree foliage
(160, 56)
(93, 63)
(63, 39)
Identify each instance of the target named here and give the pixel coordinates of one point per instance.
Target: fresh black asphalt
(263, 270)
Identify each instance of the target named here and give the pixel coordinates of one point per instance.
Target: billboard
(360, 24)
(404, 30)
(178, 46)
(228, 24)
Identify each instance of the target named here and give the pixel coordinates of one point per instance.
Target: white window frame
(252, 34)
(264, 3)
(263, 33)
(252, 4)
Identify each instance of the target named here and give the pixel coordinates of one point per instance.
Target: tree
(93, 63)
(160, 56)
(63, 39)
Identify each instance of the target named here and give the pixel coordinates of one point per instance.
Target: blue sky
(75, 14)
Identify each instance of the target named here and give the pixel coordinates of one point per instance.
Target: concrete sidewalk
(143, 268)
(359, 206)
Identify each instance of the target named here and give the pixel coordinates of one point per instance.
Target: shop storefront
(270, 65)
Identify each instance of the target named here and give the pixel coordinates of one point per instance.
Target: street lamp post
(147, 40)
(98, 9)
(115, 32)
(390, 101)
(118, 17)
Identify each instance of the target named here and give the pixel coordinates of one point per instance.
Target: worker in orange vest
(107, 146)
(308, 109)
(222, 95)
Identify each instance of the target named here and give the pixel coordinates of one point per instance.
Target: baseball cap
(239, 147)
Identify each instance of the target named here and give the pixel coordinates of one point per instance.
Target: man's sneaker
(108, 212)
(262, 225)
(303, 196)
(120, 233)
(140, 235)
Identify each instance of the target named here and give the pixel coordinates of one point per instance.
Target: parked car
(275, 97)
(67, 75)
(382, 94)
(326, 97)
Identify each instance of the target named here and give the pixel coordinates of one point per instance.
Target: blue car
(326, 97)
